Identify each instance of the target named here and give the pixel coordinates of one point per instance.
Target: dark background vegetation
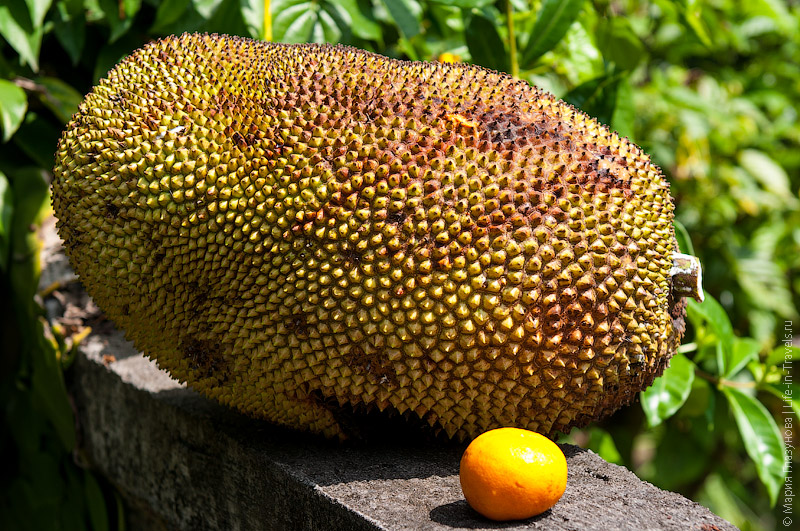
(710, 88)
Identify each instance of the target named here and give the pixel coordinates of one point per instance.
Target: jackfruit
(297, 229)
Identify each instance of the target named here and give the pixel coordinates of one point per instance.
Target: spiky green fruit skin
(290, 227)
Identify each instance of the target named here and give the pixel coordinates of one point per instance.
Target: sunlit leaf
(253, 16)
(13, 104)
(38, 9)
(618, 43)
(710, 311)
(552, 22)
(119, 15)
(484, 43)
(18, 30)
(782, 354)
(361, 26)
(789, 393)
(669, 391)
(744, 351)
(597, 97)
(464, 4)
(403, 13)
(762, 439)
(601, 442)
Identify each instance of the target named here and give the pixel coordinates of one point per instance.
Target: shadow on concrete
(459, 514)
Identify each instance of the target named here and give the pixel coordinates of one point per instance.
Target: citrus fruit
(511, 474)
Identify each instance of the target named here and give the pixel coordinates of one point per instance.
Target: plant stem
(267, 31)
(512, 40)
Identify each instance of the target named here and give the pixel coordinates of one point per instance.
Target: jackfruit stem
(687, 277)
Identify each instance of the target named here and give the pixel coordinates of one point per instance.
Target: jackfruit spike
(687, 277)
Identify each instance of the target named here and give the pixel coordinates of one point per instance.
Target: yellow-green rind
(284, 227)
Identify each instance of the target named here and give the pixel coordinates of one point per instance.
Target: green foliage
(709, 88)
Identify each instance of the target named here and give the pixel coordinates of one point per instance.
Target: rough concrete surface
(184, 462)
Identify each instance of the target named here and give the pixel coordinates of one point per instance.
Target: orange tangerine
(511, 474)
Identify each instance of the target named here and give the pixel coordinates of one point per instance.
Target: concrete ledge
(184, 462)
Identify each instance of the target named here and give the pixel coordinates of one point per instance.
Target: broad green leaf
(169, 12)
(361, 26)
(301, 28)
(38, 9)
(597, 97)
(684, 240)
(711, 312)
(405, 15)
(624, 113)
(464, 4)
(782, 354)
(744, 351)
(767, 172)
(789, 393)
(601, 442)
(669, 391)
(552, 22)
(18, 30)
(70, 30)
(119, 15)
(692, 11)
(253, 16)
(13, 104)
(484, 43)
(206, 8)
(6, 212)
(618, 42)
(96, 503)
(59, 97)
(762, 439)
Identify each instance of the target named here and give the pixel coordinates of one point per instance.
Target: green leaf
(684, 240)
(70, 30)
(762, 439)
(744, 350)
(711, 312)
(669, 391)
(119, 15)
(169, 12)
(618, 43)
(13, 104)
(18, 30)
(484, 43)
(782, 354)
(405, 15)
(624, 113)
(38, 9)
(59, 97)
(253, 16)
(98, 514)
(361, 26)
(767, 172)
(464, 4)
(596, 97)
(692, 11)
(6, 212)
(788, 392)
(602, 443)
(552, 22)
